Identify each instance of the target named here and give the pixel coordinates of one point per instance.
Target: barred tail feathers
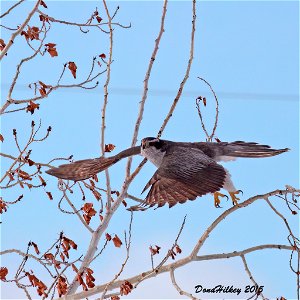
(250, 150)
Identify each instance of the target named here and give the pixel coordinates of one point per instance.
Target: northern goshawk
(185, 170)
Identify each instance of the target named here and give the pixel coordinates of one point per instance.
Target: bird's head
(153, 149)
(150, 142)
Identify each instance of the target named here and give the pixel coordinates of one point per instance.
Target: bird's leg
(229, 186)
(217, 200)
(234, 198)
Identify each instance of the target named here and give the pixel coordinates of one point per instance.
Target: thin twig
(146, 83)
(11, 8)
(186, 75)
(105, 101)
(16, 33)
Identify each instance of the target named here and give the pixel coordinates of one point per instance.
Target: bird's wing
(183, 175)
(83, 169)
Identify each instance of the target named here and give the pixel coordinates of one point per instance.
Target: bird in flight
(184, 170)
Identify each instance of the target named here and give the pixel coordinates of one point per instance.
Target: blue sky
(248, 51)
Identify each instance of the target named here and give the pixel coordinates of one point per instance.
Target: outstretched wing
(83, 169)
(183, 175)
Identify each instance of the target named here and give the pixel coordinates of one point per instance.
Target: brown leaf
(102, 55)
(96, 194)
(36, 249)
(43, 92)
(61, 286)
(204, 101)
(3, 273)
(117, 241)
(108, 236)
(126, 288)
(62, 256)
(72, 67)
(49, 256)
(42, 180)
(32, 106)
(2, 44)
(154, 250)
(24, 175)
(1, 138)
(50, 47)
(217, 140)
(3, 206)
(43, 4)
(178, 249)
(30, 162)
(49, 195)
(109, 148)
(99, 19)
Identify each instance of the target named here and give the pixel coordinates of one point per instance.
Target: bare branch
(249, 273)
(11, 8)
(105, 101)
(180, 291)
(146, 83)
(186, 76)
(20, 29)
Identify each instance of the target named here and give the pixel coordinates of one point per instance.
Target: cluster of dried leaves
(126, 288)
(35, 282)
(85, 278)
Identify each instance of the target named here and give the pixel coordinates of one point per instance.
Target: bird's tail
(82, 169)
(254, 150)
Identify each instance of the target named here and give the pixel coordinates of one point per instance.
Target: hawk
(185, 170)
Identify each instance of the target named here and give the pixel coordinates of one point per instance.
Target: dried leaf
(24, 175)
(42, 180)
(32, 106)
(49, 256)
(108, 236)
(72, 67)
(3, 206)
(1, 138)
(2, 44)
(61, 286)
(109, 147)
(43, 4)
(3, 273)
(50, 47)
(217, 140)
(126, 288)
(99, 19)
(30, 162)
(36, 249)
(178, 249)
(49, 195)
(102, 55)
(117, 241)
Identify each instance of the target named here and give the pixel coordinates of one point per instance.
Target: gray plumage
(185, 170)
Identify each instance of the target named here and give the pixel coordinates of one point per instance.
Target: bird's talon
(217, 200)
(234, 198)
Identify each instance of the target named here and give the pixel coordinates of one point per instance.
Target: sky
(247, 50)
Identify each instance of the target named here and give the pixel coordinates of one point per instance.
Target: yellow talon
(217, 200)
(234, 198)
